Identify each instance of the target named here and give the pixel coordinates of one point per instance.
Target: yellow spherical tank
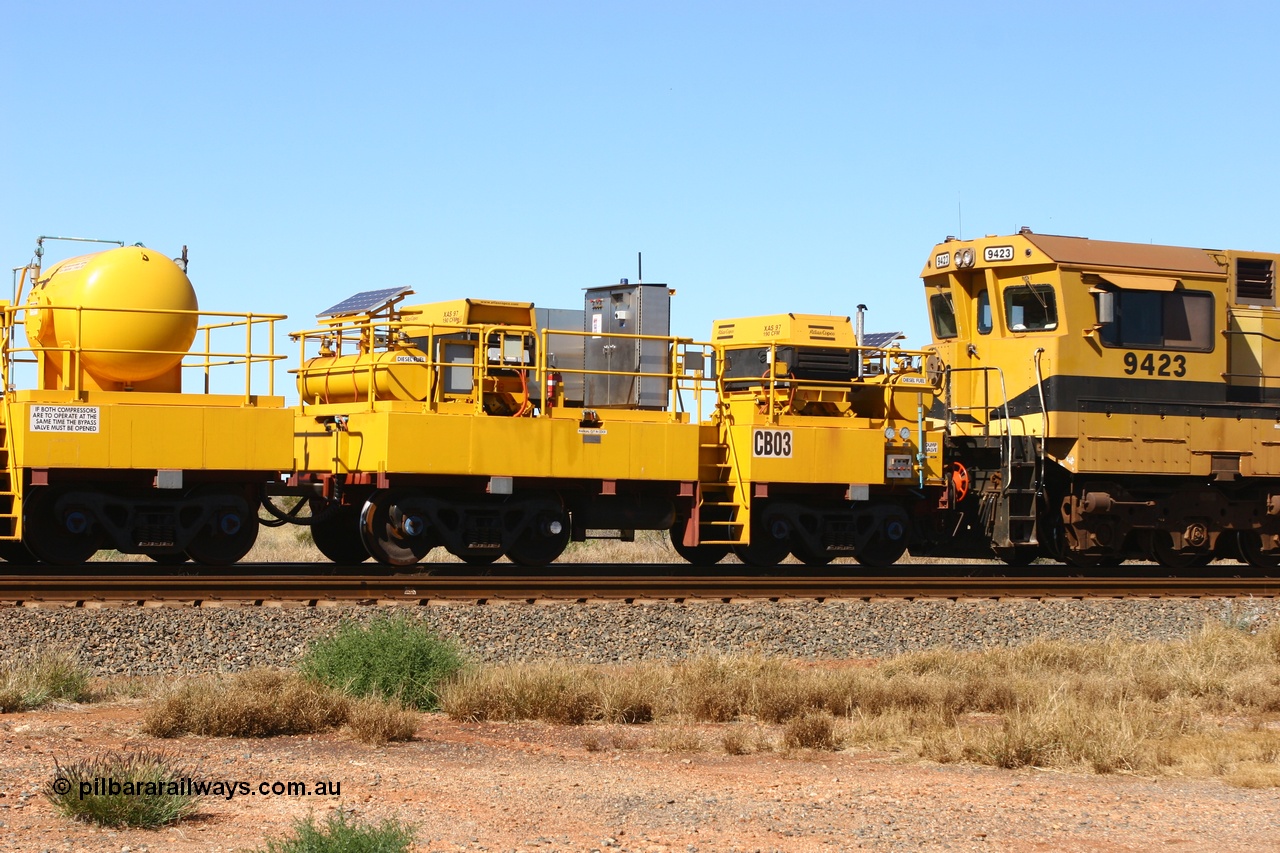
(397, 375)
(133, 282)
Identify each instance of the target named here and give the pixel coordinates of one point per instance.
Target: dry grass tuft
(377, 722)
(1206, 706)
(42, 677)
(811, 730)
(255, 703)
(678, 738)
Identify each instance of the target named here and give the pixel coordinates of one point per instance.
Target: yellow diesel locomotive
(1104, 401)
(101, 446)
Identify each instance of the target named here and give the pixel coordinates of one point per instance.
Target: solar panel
(881, 339)
(365, 301)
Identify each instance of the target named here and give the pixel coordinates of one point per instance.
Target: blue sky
(765, 157)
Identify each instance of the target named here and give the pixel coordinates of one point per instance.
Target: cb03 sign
(771, 443)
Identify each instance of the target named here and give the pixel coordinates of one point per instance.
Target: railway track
(425, 589)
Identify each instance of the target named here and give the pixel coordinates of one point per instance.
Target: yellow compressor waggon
(495, 428)
(1106, 400)
(102, 445)
(819, 445)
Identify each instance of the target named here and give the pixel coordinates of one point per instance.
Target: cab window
(984, 313)
(944, 315)
(1148, 319)
(1031, 308)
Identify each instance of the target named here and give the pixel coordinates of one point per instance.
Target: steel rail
(424, 589)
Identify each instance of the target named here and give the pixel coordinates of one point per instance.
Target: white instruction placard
(64, 419)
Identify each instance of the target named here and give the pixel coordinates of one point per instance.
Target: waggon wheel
(770, 542)
(1249, 544)
(55, 530)
(698, 555)
(542, 541)
(810, 557)
(886, 546)
(881, 551)
(14, 551)
(337, 535)
(230, 532)
(394, 531)
(480, 559)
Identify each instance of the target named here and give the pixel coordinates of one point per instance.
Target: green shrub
(144, 789)
(343, 834)
(394, 658)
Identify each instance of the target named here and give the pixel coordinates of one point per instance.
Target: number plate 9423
(1155, 365)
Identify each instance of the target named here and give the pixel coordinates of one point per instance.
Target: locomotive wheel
(1249, 544)
(1019, 557)
(48, 530)
(542, 541)
(338, 537)
(394, 532)
(1162, 551)
(698, 555)
(230, 533)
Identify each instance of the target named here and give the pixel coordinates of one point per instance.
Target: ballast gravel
(178, 640)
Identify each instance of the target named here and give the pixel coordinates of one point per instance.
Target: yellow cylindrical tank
(400, 375)
(904, 392)
(133, 278)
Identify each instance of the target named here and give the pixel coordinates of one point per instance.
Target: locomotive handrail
(1005, 434)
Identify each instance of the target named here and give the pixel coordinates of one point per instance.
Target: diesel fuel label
(64, 419)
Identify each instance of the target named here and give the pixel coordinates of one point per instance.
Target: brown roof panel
(1081, 251)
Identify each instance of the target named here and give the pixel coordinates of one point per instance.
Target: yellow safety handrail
(204, 359)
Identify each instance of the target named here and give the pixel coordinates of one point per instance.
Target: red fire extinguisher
(549, 397)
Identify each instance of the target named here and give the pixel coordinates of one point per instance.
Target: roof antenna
(639, 268)
(959, 217)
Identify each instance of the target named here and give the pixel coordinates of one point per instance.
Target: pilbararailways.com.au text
(188, 787)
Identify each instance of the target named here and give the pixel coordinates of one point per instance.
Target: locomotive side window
(944, 315)
(1148, 319)
(984, 313)
(1032, 308)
